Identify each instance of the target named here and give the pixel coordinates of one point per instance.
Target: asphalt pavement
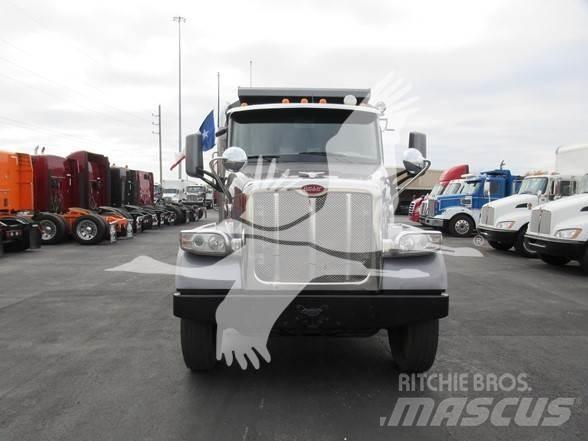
(89, 354)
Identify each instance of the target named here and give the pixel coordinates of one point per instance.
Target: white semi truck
(307, 243)
(504, 222)
(558, 230)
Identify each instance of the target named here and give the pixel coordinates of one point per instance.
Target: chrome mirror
(413, 161)
(234, 159)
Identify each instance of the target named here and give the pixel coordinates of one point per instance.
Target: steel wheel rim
(49, 229)
(462, 227)
(87, 230)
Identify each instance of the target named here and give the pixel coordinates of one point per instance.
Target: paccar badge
(313, 190)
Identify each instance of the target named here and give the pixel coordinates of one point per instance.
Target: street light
(180, 20)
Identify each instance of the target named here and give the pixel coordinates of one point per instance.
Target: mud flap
(34, 237)
(112, 233)
(129, 230)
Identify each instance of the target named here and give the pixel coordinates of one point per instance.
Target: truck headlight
(409, 243)
(210, 243)
(506, 225)
(568, 233)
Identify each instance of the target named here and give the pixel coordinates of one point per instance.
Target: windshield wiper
(331, 154)
(264, 157)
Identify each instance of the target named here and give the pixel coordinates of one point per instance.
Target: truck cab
(504, 222)
(195, 194)
(306, 243)
(459, 214)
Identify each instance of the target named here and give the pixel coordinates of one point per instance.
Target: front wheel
(502, 246)
(461, 225)
(414, 347)
(554, 260)
(520, 245)
(198, 344)
(584, 262)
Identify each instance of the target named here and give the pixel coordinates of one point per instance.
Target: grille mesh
(341, 222)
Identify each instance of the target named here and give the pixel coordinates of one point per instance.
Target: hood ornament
(311, 174)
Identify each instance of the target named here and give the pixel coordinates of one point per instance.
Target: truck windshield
(471, 187)
(307, 134)
(194, 189)
(170, 190)
(437, 190)
(453, 188)
(533, 186)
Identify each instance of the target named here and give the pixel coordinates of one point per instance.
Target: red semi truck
(447, 176)
(67, 191)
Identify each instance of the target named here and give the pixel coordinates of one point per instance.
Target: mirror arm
(415, 177)
(220, 185)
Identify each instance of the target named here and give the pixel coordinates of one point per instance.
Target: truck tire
(461, 225)
(502, 246)
(89, 229)
(198, 344)
(414, 346)
(520, 246)
(584, 262)
(180, 216)
(53, 228)
(554, 260)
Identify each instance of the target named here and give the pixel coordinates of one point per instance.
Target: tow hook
(311, 317)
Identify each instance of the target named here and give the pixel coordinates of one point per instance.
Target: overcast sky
(490, 80)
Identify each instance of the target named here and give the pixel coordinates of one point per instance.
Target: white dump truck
(558, 230)
(307, 243)
(504, 222)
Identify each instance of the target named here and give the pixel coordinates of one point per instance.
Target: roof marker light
(304, 100)
(350, 100)
(322, 101)
(243, 104)
(285, 101)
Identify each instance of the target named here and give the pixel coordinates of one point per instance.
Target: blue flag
(208, 133)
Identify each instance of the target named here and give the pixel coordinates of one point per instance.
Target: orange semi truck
(18, 230)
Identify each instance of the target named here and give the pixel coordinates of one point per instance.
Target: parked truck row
(541, 215)
(47, 199)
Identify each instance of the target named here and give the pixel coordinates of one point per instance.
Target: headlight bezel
(505, 225)
(575, 232)
(423, 243)
(206, 233)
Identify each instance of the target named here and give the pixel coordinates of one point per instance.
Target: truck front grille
(540, 222)
(431, 208)
(487, 215)
(411, 208)
(299, 239)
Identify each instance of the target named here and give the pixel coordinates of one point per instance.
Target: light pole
(180, 20)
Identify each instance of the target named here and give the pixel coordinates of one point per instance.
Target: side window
(567, 188)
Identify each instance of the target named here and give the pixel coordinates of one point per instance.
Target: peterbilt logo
(313, 190)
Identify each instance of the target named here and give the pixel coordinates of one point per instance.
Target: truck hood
(513, 208)
(568, 212)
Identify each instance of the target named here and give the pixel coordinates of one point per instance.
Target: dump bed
(16, 182)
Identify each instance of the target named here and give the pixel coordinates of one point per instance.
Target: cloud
(495, 80)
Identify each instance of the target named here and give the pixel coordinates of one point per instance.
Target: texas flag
(208, 138)
(207, 131)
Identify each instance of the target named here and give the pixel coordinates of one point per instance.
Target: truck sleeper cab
(308, 246)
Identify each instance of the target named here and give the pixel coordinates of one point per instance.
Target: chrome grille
(535, 219)
(540, 222)
(431, 208)
(487, 215)
(298, 239)
(411, 208)
(545, 223)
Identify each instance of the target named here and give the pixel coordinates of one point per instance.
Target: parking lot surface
(89, 354)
